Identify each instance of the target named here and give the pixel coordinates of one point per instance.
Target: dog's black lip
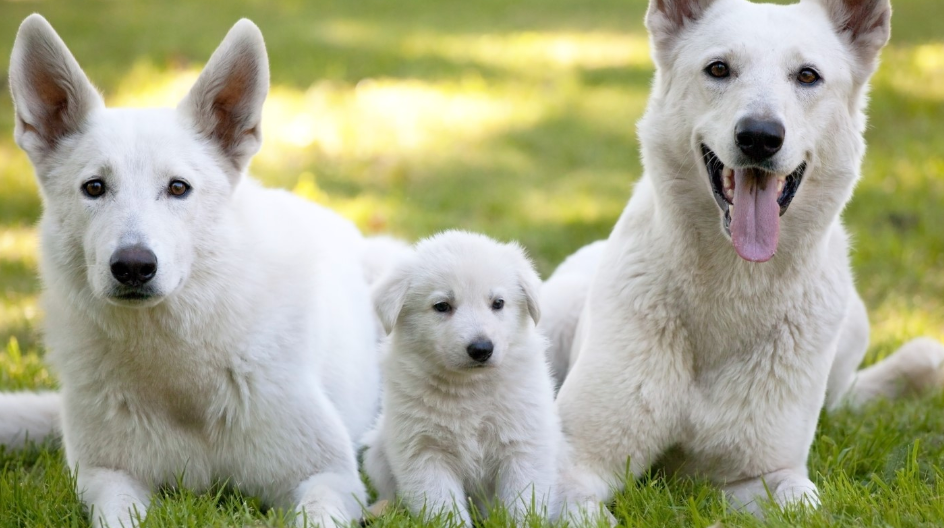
(790, 187)
(133, 296)
(715, 169)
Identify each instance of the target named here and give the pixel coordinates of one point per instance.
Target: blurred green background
(511, 118)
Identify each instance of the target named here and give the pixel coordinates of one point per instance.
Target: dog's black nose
(480, 350)
(133, 265)
(759, 139)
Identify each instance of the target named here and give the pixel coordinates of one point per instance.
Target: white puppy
(468, 399)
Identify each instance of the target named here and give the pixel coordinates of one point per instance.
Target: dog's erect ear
(51, 95)
(389, 294)
(666, 19)
(865, 23)
(529, 282)
(225, 104)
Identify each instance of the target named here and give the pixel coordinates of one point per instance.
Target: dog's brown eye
(498, 304)
(93, 188)
(178, 188)
(442, 307)
(718, 70)
(808, 76)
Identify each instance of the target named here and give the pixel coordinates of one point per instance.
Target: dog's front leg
(785, 487)
(114, 498)
(526, 481)
(331, 498)
(377, 467)
(430, 488)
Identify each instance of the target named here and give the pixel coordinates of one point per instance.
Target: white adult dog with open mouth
(202, 327)
(722, 314)
(468, 402)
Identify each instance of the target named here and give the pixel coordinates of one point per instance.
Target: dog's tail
(915, 368)
(28, 416)
(563, 296)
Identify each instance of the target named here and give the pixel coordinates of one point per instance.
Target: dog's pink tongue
(755, 222)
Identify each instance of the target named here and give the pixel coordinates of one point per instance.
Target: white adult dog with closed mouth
(202, 327)
(468, 401)
(722, 313)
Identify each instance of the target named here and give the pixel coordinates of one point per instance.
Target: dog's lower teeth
(727, 178)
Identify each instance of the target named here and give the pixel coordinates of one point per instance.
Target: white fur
(562, 300)
(688, 354)
(28, 416)
(252, 360)
(380, 254)
(451, 427)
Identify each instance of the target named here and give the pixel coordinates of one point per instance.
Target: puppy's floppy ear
(225, 103)
(866, 24)
(51, 94)
(666, 19)
(389, 294)
(528, 281)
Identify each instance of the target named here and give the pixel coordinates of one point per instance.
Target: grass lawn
(515, 119)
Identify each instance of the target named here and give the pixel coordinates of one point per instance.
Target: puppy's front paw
(589, 514)
(797, 491)
(375, 510)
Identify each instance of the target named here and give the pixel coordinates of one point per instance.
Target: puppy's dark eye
(442, 307)
(498, 304)
(718, 70)
(808, 76)
(178, 188)
(93, 188)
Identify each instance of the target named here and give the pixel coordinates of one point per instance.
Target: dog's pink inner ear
(865, 16)
(52, 95)
(866, 22)
(51, 114)
(678, 12)
(225, 104)
(232, 111)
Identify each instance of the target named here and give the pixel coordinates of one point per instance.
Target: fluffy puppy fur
(468, 399)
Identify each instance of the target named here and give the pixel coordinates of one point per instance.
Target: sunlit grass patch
(899, 320)
(19, 193)
(23, 369)
(147, 85)
(567, 205)
(532, 52)
(369, 211)
(19, 245)
(915, 70)
(386, 116)
(19, 311)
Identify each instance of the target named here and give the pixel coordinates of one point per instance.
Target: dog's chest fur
(750, 350)
(470, 421)
(196, 386)
(758, 375)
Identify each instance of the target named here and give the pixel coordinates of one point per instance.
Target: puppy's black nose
(480, 350)
(133, 265)
(759, 139)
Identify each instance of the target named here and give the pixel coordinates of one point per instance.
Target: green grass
(515, 119)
